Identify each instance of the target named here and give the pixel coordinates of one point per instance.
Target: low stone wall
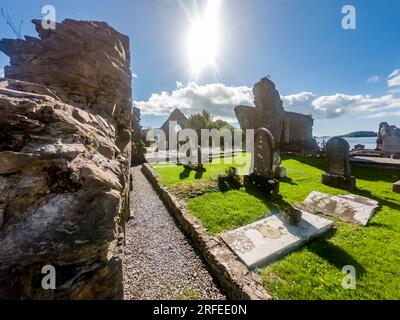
(238, 282)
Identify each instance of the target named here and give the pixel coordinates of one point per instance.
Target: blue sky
(318, 67)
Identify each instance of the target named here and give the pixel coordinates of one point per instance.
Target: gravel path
(159, 261)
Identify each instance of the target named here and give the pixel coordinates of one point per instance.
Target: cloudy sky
(207, 54)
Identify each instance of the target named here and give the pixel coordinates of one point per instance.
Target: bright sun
(203, 38)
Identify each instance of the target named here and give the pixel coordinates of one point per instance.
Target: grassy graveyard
(314, 271)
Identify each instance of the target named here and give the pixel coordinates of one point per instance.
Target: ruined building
(292, 131)
(388, 142)
(65, 151)
(176, 116)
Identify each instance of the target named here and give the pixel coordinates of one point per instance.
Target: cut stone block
(339, 181)
(348, 208)
(269, 239)
(396, 187)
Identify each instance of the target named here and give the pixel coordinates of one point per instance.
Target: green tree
(202, 120)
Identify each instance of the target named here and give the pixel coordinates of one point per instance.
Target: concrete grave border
(238, 282)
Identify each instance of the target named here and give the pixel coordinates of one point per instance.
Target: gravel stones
(160, 262)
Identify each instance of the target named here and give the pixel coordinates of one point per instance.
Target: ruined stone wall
(65, 149)
(388, 141)
(177, 116)
(298, 133)
(292, 131)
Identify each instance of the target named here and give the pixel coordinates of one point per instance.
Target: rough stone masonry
(65, 149)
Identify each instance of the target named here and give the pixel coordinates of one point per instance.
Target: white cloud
(334, 106)
(179, 84)
(134, 75)
(373, 79)
(394, 79)
(1, 72)
(221, 100)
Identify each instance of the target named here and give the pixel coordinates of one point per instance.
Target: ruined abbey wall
(65, 151)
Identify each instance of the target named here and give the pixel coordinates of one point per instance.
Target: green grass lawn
(314, 271)
(221, 211)
(172, 176)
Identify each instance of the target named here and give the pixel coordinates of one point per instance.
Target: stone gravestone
(269, 239)
(396, 187)
(338, 174)
(263, 160)
(349, 208)
(194, 158)
(264, 149)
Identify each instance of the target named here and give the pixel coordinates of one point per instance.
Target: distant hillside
(360, 134)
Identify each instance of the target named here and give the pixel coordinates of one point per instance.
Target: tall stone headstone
(264, 148)
(338, 173)
(263, 162)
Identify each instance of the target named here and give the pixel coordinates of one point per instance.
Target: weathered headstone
(269, 239)
(339, 171)
(263, 161)
(194, 158)
(264, 149)
(348, 208)
(396, 187)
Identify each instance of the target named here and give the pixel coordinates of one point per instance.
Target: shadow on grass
(288, 180)
(363, 173)
(381, 225)
(268, 200)
(198, 175)
(374, 174)
(335, 255)
(185, 173)
(382, 202)
(319, 163)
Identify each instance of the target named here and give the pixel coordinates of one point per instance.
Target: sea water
(368, 142)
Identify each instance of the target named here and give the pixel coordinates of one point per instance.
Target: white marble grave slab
(269, 239)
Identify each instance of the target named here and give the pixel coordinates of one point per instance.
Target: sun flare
(203, 38)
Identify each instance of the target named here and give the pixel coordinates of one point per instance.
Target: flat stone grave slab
(269, 239)
(348, 208)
